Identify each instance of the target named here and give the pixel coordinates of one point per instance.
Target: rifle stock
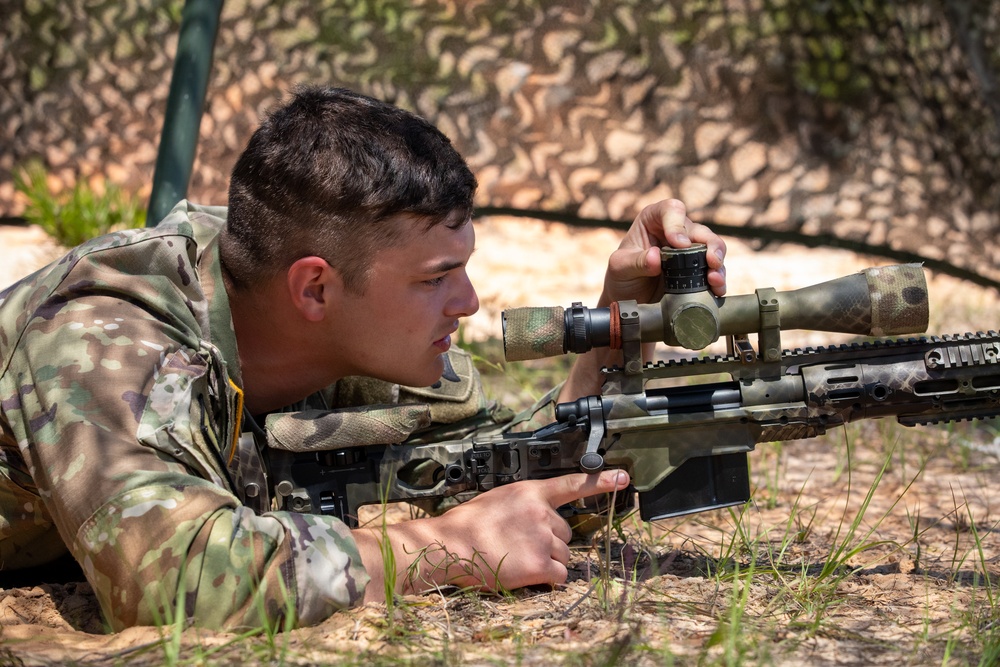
(685, 447)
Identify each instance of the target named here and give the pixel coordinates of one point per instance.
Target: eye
(434, 282)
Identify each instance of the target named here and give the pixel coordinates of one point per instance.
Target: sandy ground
(673, 603)
(23, 250)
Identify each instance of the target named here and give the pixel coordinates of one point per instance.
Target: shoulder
(142, 267)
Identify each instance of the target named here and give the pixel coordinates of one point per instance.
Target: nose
(465, 301)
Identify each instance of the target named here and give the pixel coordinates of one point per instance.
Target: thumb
(631, 263)
(569, 488)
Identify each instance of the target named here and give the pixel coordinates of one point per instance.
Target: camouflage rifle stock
(685, 446)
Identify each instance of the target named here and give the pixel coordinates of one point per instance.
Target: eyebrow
(447, 265)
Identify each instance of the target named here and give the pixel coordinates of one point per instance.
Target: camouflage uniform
(121, 414)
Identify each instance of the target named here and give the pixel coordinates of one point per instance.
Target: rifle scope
(879, 301)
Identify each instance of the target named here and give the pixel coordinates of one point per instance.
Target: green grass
(77, 215)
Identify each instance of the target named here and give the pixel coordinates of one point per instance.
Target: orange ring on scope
(615, 328)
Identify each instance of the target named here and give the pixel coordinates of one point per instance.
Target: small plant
(614, 594)
(389, 573)
(732, 638)
(79, 215)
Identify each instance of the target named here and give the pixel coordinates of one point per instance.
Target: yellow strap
(239, 420)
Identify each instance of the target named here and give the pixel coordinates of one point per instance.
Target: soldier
(131, 366)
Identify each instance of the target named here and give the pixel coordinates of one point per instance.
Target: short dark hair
(329, 174)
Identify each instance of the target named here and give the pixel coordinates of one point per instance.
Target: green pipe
(185, 103)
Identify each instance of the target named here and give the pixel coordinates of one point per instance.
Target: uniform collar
(207, 223)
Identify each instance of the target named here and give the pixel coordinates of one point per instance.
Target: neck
(278, 350)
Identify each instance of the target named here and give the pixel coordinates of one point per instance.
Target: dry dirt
(914, 595)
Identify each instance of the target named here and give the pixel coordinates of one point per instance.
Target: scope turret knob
(695, 325)
(685, 270)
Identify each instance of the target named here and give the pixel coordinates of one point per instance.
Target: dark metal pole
(188, 87)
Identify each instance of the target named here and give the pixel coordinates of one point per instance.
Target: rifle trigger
(591, 461)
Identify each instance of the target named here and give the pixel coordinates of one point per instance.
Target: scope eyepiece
(586, 328)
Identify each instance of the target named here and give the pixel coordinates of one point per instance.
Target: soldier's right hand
(507, 538)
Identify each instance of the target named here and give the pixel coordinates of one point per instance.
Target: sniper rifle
(685, 446)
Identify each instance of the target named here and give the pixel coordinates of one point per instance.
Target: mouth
(444, 343)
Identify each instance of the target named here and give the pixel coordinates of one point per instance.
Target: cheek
(407, 317)
(409, 312)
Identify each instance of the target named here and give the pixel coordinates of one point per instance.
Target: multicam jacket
(121, 413)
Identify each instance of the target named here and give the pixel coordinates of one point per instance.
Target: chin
(427, 379)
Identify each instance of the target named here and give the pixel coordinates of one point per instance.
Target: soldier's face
(402, 324)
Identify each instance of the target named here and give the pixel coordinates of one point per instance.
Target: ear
(313, 286)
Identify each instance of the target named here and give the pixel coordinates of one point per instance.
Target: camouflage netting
(873, 121)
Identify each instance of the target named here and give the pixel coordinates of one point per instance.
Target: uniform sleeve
(124, 424)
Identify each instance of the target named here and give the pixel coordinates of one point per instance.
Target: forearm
(585, 377)
(180, 539)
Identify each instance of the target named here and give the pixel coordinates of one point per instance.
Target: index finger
(667, 222)
(674, 221)
(566, 489)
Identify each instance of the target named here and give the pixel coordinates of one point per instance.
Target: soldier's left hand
(634, 268)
